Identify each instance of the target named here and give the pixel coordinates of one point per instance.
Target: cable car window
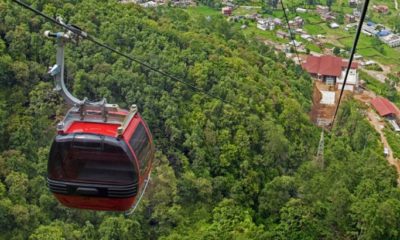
(141, 146)
(91, 159)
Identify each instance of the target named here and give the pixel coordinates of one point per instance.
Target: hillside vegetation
(243, 170)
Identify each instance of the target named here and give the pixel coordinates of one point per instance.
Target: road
(377, 123)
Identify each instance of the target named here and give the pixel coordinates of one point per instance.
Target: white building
(149, 4)
(333, 25)
(372, 28)
(353, 3)
(265, 24)
(352, 79)
(301, 10)
(393, 40)
(307, 37)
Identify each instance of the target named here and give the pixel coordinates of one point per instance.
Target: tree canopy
(223, 171)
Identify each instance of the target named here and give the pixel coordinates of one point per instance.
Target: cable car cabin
(100, 158)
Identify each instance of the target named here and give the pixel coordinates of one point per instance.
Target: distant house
(297, 22)
(383, 9)
(226, 2)
(252, 16)
(234, 18)
(384, 107)
(282, 34)
(333, 25)
(277, 21)
(301, 10)
(370, 28)
(183, 3)
(265, 24)
(393, 40)
(227, 11)
(149, 4)
(353, 3)
(356, 13)
(331, 71)
(322, 9)
(388, 110)
(324, 13)
(257, 16)
(329, 16)
(306, 37)
(350, 18)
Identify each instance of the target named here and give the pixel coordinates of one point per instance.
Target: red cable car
(100, 161)
(102, 155)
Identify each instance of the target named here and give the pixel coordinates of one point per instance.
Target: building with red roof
(227, 11)
(384, 107)
(331, 70)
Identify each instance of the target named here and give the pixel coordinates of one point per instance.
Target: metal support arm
(57, 71)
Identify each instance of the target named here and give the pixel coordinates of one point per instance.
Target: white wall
(347, 87)
(351, 79)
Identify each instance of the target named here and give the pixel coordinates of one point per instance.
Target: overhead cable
(353, 50)
(97, 42)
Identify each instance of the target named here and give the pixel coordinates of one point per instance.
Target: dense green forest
(223, 171)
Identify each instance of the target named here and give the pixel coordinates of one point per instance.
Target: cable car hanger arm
(57, 71)
(82, 107)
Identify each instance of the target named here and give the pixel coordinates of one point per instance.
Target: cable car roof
(107, 120)
(110, 129)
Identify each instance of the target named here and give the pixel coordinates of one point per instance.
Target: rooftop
(391, 37)
(384, 107)
(326, 65)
